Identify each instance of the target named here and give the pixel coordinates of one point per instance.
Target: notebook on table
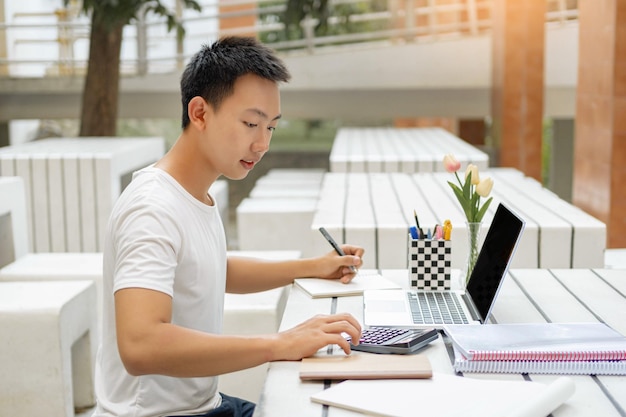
(360, 365)
(420, 309)
(543, 348)
(539, 342)
(448, 395)
(365, 280)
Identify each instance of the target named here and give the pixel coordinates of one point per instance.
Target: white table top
(388, 149)
(374, 210)
(527, 295)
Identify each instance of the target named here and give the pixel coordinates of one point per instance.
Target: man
(165, 263)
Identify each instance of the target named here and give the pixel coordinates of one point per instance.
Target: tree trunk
(101, 91)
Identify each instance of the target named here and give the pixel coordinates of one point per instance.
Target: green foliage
(304, 135)
(546, 151)
(321, 10)
(113, 13)
(291, 135)
(469, 199)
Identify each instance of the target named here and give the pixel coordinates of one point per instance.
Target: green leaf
(465, 203)
(483, 210)
(467, 187)
(193, 5)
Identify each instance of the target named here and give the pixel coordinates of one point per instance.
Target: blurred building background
(539, 84)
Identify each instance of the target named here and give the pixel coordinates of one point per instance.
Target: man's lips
(247, 164)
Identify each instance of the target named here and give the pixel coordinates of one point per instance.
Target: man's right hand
(310, 336)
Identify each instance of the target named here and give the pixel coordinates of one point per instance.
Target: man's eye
(250, 124)
(271, 128)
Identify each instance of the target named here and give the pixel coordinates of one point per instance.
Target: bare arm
(245, 275)
(150, 344)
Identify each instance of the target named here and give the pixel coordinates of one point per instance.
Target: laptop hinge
(471, 307)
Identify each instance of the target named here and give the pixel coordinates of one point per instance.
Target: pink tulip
(450, 163)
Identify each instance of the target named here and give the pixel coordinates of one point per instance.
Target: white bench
(48, 347)
(279, 211)
(20, 265)
(275, 224)
(409, 150)
(375, 210)
(71, 185)
(58, 267)
(286, 182)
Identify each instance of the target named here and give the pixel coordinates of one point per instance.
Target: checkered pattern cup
(430, 264)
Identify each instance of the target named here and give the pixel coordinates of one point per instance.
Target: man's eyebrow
(263, 114)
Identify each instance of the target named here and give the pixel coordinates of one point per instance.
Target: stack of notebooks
(540, 348)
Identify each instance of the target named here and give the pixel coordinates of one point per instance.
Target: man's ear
(198, 109)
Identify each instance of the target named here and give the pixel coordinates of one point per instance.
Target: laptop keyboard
(435, 307)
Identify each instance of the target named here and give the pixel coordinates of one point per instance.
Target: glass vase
(473, 238)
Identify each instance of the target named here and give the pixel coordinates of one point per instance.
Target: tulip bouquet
(469, 192)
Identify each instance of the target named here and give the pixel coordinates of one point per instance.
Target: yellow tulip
(450, 163)
(484, 187)
(474, 170)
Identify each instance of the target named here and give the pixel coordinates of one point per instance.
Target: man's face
(239, 133)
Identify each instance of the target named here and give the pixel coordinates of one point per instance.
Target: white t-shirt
(160, 237)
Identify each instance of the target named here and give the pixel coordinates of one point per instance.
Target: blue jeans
(231, 407)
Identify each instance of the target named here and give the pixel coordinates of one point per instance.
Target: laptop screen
(493, 259)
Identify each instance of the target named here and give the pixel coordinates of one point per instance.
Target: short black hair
(211, 73)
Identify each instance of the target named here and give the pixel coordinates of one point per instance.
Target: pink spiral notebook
(538, 342)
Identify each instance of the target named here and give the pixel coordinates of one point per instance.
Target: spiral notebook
(462, 364)
(540, 348)
(539, 341)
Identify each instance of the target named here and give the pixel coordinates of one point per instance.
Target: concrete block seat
(293, 174)
(58, 267)
(282, 190)
(71, 185)
(48, 347)
(288, 183)
(23, 265)
(277, 214)
(276, 224)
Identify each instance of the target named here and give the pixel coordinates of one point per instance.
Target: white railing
(149, 48)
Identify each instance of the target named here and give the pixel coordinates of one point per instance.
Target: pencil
(417, 223)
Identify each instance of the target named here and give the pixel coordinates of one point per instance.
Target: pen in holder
(430, 263)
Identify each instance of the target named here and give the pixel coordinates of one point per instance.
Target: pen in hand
(335, 246)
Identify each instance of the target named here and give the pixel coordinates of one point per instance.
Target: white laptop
(421, 309)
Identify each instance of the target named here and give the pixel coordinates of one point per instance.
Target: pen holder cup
(430, 264)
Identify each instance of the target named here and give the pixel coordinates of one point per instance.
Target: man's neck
(184, 165)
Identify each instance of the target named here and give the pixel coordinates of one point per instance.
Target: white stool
(58, 267)
(276, 224)
(47, 352)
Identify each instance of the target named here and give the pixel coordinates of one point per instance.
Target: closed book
(538, 342)
(361, 365)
